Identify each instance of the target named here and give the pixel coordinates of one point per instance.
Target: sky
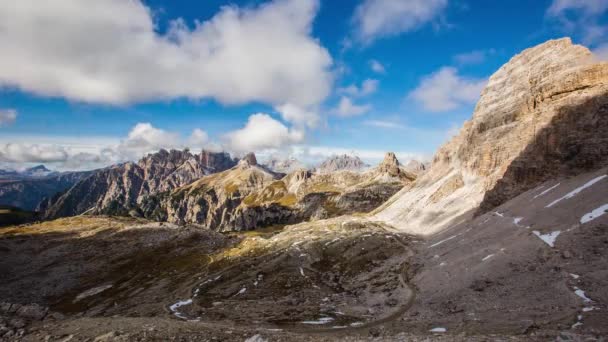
(86, 84)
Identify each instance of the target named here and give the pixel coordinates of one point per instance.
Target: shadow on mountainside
(576, 140)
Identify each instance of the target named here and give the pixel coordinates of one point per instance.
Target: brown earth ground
(491, 278)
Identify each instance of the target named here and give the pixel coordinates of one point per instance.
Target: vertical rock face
(118, 189)
(542, 113)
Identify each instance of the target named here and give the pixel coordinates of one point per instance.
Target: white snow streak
(302, 272)
(517, 220)
(243, 290)
(487, 257)
(550, 238)
(322, 320)
(546, 191)
(442, 241)
(597, 212)
(577, 190)
(438, 330)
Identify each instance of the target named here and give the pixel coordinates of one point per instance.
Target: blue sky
(86, 87)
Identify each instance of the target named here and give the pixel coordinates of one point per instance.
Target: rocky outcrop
(541, 114)
(249, 196)
(342, 162)
(119, 189)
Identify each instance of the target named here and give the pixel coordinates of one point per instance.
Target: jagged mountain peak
(248, 160)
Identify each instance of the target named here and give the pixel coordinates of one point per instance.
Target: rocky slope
(249, 196)
(118, 189)
(28, 190)
(341, 162)
(543, 114)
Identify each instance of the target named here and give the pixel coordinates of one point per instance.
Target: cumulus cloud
(76, 153)
(7, 117)
(262, 132)
(347, 108)
(377, 67)
(374, 19)
(108, 51)
(32, 153)
(581, 17)
(368, 87)
(299, 116)
(446, 90)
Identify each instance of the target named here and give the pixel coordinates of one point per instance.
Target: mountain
(250, 196)
(28, 190)
(35, 172)
(118, 189)
(341, 162)
(284, 165)
(416, 167)
(541, 115)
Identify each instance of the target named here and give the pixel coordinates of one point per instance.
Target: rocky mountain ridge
(542, 114)
(249, 196)
(120, 188)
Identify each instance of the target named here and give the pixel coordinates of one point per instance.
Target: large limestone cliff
(543, 113)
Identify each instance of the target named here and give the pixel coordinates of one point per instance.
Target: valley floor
(535, 268)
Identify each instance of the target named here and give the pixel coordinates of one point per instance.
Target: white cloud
(31, 153)
(262, 132)
(347, 108)
(107, 51)
(581, 17)
(374, 19)
(299, 116)
(7, 117)
(377, 67)
(76, 153)
(198, 138)
(473, 57)
(445, 90)
(145, 138)
(368, 87)
(383, 124)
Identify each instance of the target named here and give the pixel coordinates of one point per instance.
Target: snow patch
(546, 191)
(574, 276)
(577, 190)
(517, 220)
(550, 238)
(595, 213)
(92, 292)
(487, 257)
(356, 324)
(322, 320)
(499, 214)
(589, 308)
(243, 290)
(179, 304)
(302, 272)
(438, 330)
(582, 294)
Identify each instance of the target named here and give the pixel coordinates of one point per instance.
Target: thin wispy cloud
(375, 19)
(7, 117)
(582, 18)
